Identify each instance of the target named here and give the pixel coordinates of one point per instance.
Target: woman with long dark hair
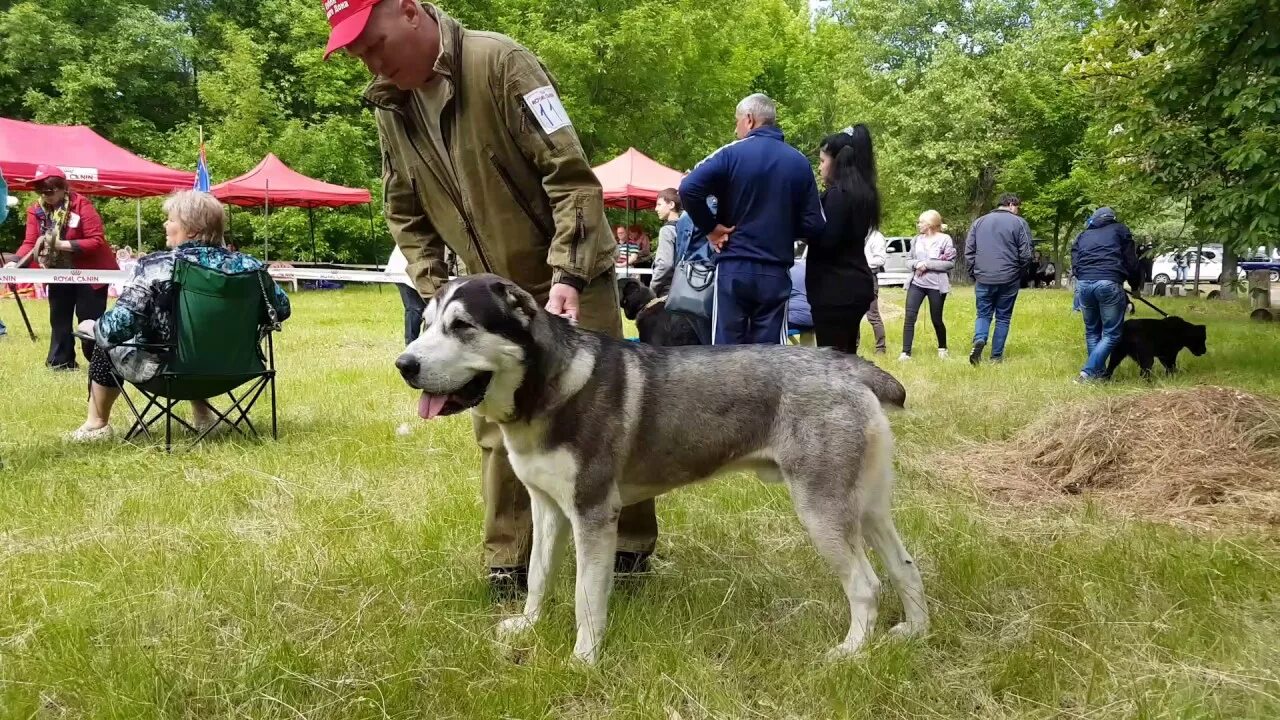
(839, 281)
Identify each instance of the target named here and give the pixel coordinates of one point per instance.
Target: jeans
(1102, 303)
(998, 301)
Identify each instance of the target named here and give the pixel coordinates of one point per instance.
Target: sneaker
(998, 360)
(508, 583)
(943, 354)
(82, 435)
(1085, 378)
(975, 356)
(904, 357)
(630, 563)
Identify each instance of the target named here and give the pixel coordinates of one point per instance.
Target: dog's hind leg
(824, 507)
(550, 533)
(876, 489)
(595, 539)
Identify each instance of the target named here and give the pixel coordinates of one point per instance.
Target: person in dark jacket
(997, 252)
(841, 285)
(1103, 257)
(768, 199)
(65, 231)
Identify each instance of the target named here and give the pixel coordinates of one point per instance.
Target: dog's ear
(521, 303)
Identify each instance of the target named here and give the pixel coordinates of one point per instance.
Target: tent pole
(266, 232)
(311, 223)
(138, 207)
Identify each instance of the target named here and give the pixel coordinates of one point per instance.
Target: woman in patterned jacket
(193, 232)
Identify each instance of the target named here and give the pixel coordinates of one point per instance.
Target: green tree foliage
(1170, 117)
(1189, 93)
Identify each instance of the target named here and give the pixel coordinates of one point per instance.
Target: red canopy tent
(92, 164)
(274, 183)
(633, 180)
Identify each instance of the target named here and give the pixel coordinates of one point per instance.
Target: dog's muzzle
(433, 405)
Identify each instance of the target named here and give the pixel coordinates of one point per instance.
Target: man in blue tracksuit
(768, 199)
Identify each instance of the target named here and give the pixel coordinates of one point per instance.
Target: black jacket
(837, 274)
(1105, 251)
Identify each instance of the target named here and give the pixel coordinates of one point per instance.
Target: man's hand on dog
(563, 301)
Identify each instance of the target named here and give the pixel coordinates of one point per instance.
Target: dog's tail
(887, 389)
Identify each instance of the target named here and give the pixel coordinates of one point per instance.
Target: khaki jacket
(508, 197)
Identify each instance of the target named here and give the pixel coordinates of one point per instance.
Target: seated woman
(193, 232)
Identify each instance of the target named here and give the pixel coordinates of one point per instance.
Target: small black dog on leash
(1149, 339)
(657, 324)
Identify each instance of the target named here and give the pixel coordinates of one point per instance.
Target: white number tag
(547, 108)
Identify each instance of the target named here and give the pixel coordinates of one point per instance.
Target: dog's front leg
(595, 538)
(550, 531)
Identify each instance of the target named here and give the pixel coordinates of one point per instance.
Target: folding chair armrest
(149, 347)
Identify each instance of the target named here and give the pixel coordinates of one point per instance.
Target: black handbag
(693, 285)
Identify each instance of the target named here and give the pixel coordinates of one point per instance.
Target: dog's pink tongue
(430, 406)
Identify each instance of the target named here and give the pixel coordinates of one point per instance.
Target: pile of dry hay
(1205, 456)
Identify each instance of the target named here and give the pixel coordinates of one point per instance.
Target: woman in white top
(933, 254)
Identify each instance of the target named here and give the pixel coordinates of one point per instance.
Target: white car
(1165, 268)
(897, 255)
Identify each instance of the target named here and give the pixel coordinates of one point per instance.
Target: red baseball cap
(44, 172)
(347, 19)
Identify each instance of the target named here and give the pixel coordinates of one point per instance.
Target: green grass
(337, 573)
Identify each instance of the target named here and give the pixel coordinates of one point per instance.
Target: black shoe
(508, 583)
(630, 563)
(975, 357)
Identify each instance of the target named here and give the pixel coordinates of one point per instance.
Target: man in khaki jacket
(479, 155)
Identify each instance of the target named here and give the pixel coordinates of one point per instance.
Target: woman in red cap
(65, 231)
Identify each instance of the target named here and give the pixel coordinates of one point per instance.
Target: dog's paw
(908, 630)
(842, 652)
(586, 658)
(587, 649)
(514, 626)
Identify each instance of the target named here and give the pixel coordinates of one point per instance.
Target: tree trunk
(1195, 286)
(1227, 283)
(1057, 248)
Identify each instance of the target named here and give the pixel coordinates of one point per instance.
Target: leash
(1146, 302)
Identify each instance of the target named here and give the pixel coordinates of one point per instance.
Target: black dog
(657, 324)
(1148, 340)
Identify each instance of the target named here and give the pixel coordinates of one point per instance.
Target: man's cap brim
(346, 32)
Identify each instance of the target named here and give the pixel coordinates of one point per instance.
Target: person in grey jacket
(997, 250)
(668, 209)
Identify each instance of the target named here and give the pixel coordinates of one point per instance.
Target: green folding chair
(220, 322)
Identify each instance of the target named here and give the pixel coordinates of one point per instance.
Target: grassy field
(337, 573)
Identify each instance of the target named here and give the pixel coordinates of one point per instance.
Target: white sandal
(101, 434)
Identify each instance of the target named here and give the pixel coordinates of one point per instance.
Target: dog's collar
(653, 302)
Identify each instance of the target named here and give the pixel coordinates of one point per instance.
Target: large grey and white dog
(593, 424)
